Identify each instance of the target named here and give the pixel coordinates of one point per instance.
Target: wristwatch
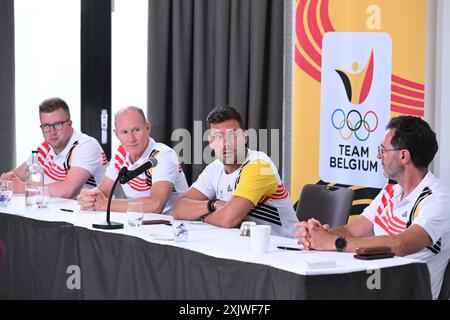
(211, 205)
(340, 243)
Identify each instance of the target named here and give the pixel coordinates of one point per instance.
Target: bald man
(157, 188)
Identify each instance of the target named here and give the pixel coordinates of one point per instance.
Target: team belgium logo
(355, 103)
(357, 84)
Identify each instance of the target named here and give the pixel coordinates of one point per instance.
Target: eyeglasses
(382, 150)
(230, 134)
(56, 126)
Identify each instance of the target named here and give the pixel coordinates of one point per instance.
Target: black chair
(328, 204)
(444, 294)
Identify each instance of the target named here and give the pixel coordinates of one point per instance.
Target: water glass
(6, 192)
(135, 214)
(245, 228)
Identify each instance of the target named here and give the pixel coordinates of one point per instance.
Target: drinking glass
(6, 192)
(135, 214)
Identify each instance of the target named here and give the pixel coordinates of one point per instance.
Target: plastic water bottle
(34, 181)
(180, 231)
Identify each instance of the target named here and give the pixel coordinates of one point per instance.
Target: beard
(232, 157)
(393, 171)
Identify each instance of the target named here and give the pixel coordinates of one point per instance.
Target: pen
(289, 248)
(66, 210)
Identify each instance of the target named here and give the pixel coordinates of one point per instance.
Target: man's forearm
(189, 209)
(20, 171)
(341, 231)
(19, 174)
(62, 189)
(375, 241)
(118, 205)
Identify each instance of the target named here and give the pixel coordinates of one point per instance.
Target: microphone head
(128, 175)
(153, 161)
(123, 174)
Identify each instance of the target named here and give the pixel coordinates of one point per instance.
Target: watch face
(340, 243)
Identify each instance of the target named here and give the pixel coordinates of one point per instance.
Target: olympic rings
(332, 119)
(376, 117)
(357, 122)
(361, 122)
(368, 132)
(340, 132)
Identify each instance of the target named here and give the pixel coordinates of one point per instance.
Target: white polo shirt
(427, 206)
(258, 181)
(82, 151)
(168, 169)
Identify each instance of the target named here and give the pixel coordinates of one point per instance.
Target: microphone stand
(111, 224)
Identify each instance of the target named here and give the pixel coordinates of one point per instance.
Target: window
(47, 64)
(129, 57)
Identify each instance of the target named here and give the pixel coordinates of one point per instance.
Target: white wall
(443, 89)
(47, 64)
(129, 56)
(437, 95)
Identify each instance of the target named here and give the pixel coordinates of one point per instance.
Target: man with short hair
(70, 159)
(241, 184)
(411, 217)
(157, 188)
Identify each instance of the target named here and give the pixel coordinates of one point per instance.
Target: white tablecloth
(206, 239)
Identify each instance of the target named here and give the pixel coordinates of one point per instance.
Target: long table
(54, 254)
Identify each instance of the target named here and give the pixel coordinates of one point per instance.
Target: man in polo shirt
(157, 188)
(411, 217)
(70, 159)
(241, 184)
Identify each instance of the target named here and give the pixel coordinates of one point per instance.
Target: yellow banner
(404, 21)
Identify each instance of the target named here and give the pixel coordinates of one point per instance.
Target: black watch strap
(211, 205)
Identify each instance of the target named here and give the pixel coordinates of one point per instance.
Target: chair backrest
(328, 204)
(444, 294)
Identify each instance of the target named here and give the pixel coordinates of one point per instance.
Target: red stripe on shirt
(282, 196)
(51, 175)
(118, 160)
(381, 224)
(121, 150)
(138, 187)
(138, 182)
(54, 172)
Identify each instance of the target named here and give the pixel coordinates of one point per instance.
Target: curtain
(204, 53)
(7, 120)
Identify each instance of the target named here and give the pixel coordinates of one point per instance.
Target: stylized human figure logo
(357, 85)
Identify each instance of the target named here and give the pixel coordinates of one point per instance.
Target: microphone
(123, 177)
(131, 174)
